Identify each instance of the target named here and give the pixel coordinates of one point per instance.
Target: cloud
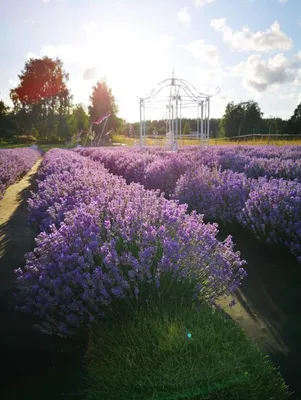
(184, 16)
(65, 52)
(28, 21)
(297, 81)
(90, 74)
(260, 75)
(201, 3)
(282, 1)
(30, 55)
(45, 1)
(203, 52)
(246, 40)
(206, 79)
(12, 82)
(160, 41)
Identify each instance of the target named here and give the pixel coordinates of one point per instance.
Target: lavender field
(256, 187)
(14, 163)
(119, 229)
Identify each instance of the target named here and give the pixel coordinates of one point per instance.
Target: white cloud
(45, 1)
(203, 52)
(298, 78)
(201, 3)
(260, 75)
(282, 1)
(160, 41)
(28, 21)
(90, 73)
(65, 52)
(29, 55)
(206, 79)
(184, 16)
(246, 40)
(12, 83)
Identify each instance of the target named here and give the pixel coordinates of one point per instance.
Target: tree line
(43, 110)
(43, 107)
(244, 118)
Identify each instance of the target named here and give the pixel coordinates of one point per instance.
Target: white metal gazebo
(173, 95)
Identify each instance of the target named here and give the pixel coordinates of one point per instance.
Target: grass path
(34, 366)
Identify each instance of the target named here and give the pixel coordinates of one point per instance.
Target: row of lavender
(258, 187)
(104, 242)
(13, 164)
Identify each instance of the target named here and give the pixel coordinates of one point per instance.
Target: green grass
(44, 147)
(148, 356)
(212, 142)
(12, 146)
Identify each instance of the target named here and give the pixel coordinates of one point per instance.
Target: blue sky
(251, 49)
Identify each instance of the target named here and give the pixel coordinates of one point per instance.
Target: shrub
(273, 213)
(24, 139)
(13, 164)
(109, 247)
(219, 196)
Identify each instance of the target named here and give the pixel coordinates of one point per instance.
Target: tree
(103, 101)
(42, 99)
(187, 129)
(78, 120)
(3, 119)
(272, 125)
(293, 126)
(243, 118)
(8, 127)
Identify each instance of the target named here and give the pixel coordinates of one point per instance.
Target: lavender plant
(219, 196)
(13, 164)
(273, 213)
(120, 248)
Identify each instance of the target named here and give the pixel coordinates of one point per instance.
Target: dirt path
(35, 366)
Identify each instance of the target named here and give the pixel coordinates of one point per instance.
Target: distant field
(190, 142)
(129, 141)
(44, 147)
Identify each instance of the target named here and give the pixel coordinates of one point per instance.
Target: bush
(24, 139)
(14, 163)
(51, 140)
(273, 213)
(178, 352)
(219, 196)
(114, 244)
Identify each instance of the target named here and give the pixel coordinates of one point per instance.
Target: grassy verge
(44, 147)
(194, 142)
(178, 352)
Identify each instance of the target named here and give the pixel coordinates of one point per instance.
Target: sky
(250, 49)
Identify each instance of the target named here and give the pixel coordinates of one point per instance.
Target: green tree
(239, 119)
(103, 101)
(42, 99)
(187, 129)
(293, 126)
(4, 120)
(78, 120)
